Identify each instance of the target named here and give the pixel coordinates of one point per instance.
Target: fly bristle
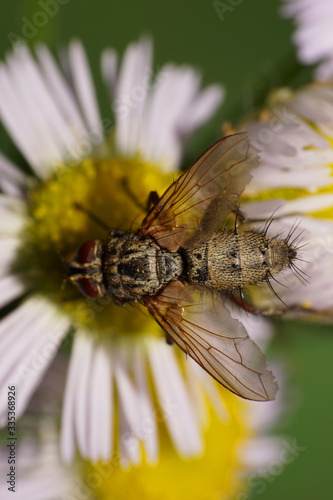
(271, 276)
(292, 230)
(294, 245)
(270, 286)
(267, 225)
(299, 273)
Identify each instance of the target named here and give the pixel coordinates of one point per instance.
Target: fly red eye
(88, 288)
(86, 252)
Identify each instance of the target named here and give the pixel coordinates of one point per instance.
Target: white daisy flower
(237, 442)
(77, 156)
(313, 36)
(293, 185)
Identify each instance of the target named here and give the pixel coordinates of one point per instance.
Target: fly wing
(199, 323)
(193, 207)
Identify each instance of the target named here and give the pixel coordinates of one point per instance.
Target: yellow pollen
(112, 190)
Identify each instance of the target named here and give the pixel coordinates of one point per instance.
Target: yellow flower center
(213, 476)
(112, 190)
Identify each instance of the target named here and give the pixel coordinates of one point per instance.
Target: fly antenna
(91, 216)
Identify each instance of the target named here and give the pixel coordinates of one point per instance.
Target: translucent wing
(200, 324)
(193, 207)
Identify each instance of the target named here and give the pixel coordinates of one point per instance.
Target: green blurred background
(250, 52)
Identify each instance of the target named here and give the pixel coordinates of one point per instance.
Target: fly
(180, 260)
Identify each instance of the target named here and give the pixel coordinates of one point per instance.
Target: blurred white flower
(293, 185)
(313, 36)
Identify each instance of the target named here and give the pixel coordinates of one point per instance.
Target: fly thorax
(169, 266)
(134, 267)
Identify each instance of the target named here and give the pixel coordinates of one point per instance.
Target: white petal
(180, 416)
(324, 71)
(80, 356)
(10, 223)
(37, 105)
(148, 427)
(197, 394)
(109, 66)
(12, 212)
(47, 399)
(129, 409)
(11, 287)
(270, 178)
(18, 320)
(54, 121)
(132, 89)
(138, 418)
(67, 437)
(210, 389)
(61, 90)
(313, 36)
(101, 406)
(9, 247)
(264, 421)
(159, 130)
(12, 179)
(201, 110)
(13, 112)
(259, 329)
(82, 399)
(130, 453)
(10, 203)
(168, 121)
(34, 366)
(87, 420)
(261, 452)
(30, 336)
(84, 86)
(305, 204)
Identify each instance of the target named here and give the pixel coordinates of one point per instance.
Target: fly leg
(152, 200)
(284, 310)
(239, 300)
(168, 339)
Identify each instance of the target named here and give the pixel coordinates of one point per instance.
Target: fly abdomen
(232, 260)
